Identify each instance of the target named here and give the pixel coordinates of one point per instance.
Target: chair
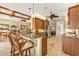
(17, 48)
(13, 46)
(28, 50)
(3, 35)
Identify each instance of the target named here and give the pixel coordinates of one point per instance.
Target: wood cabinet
(70, 46)
(46, 23)
(73, 17)
(38, 23)
(41, 24)
(44, 43)
(44, 46)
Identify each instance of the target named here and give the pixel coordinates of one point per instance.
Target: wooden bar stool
(17, 48)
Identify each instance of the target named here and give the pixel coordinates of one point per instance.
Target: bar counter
(37, 44)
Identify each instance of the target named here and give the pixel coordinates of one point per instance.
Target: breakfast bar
(37, 44)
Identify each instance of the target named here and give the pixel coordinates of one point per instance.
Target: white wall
(12, 22)
(4, 19)
(8, 22)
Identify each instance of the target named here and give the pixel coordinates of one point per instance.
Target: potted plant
(13, 28)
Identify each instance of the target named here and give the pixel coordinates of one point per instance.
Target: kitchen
(40, 34)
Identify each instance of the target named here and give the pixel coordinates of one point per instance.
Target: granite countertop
(74, 37)
(4, 30)
(71, 35)
(29, 36)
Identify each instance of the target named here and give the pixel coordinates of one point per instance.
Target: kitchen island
(70, 45)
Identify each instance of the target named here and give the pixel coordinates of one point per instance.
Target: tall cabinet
(73, 17)
(38, 23)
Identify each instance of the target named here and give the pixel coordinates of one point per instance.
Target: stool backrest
(12, 41)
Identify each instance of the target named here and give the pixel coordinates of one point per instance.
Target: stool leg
(26, 53)
(11, 52)
(29, 52)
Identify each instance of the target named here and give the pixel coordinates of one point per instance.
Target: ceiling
(43, 9)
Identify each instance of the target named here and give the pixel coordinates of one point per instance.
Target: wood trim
(68, 16)
(20, 17)
(13, 13)
(5, 13)
(73, 6)
(4, 24)
(22, 14)
(5, 8)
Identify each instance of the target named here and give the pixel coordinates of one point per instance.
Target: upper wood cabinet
(37, 23)
(73, 17)
(46, 23)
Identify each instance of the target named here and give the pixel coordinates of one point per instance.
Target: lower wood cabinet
(44, 43)
(70, 46)
(44, 46)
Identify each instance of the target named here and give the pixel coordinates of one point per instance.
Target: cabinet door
(66, 45)
(76, 47)
(77, 22)
(70, 46)
(44, 46)
(39, 23)
(73, 17)
(46, 23)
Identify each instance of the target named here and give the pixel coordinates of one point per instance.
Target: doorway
(60, 28)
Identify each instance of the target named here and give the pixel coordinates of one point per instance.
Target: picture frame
(4, 27)
(23, 27)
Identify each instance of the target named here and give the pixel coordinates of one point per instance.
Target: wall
(12, 22)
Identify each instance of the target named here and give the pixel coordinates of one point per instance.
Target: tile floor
(55, 47)
(4, 47)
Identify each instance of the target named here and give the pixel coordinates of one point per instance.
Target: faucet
(75, 33)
